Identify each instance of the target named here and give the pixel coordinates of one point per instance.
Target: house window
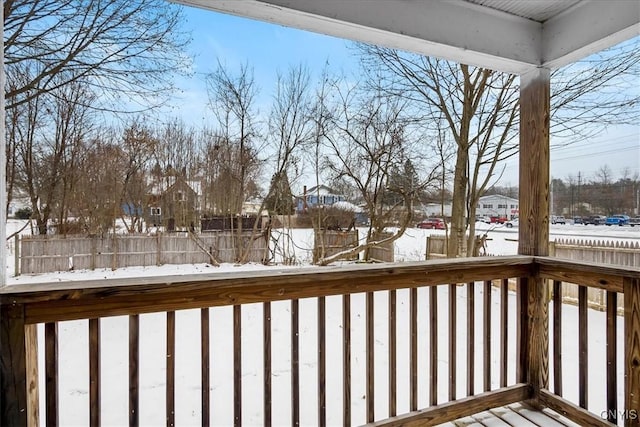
(180, 197)
(502, 206)
(156, 211)
(487, 206)
(514, 206)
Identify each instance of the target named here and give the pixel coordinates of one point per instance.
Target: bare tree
(290, 123)
(291, 129)
(175, 148)
(56, 129)
(480, 107)
(138, 145)
(127, 51)
(371, 141)
(232, 100)
(97, 199)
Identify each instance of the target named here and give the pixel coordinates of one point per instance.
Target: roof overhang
(484, 33)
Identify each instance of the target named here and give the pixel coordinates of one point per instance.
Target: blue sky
(269, 48)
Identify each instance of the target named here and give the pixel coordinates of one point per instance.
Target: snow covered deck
(420, 343)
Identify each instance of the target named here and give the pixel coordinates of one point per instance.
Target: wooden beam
(632, 352)
(442, 29)
(533, 234)
(88, 299)
(13, 367)
(572, 411)
(459, 408)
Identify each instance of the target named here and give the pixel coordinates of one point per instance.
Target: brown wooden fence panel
(384, 252)
(330, 242)
(43, 254)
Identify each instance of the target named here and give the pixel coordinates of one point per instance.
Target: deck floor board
(516, 415)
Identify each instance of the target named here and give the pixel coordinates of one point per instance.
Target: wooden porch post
(18, 369)
(632, 352)
(533, 341)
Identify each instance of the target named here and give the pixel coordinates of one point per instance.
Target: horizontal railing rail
(401, 331)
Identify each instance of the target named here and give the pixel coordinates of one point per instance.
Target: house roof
(505, 35)
(322, 189)
(498, 196)
(157, 187)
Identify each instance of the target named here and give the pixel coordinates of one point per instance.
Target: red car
(431, 223)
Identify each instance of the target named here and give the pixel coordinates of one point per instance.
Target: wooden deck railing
(419, 343)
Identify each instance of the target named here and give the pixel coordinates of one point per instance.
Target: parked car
(634, 221)
(432, 223)
(617, 220)
(558, 219)
(594, 219)
(484, 218)
(512, 223)
(578, 220)
(495, 219)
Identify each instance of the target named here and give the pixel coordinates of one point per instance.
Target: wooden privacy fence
(43, 254)
(437, 247)
(383, 252)
(606, 252)
(330, 242)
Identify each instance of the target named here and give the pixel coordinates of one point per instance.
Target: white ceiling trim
(588, 28)
(453, 29)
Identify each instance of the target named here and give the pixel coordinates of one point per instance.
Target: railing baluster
(612, 354)
(452, 341)
(205, 362)
(557, 337)
(134, 358)
(266, 338)
(94, 372)
(171, 369)
(370, 359)
(322, 362)
(392, 354)
(51, 373)
(433, 344)
(471, 337)
(504, 331)
(486, 332)
(237, 365)
(295, 363)
(583, 350)
(346, 360)
(413, 302)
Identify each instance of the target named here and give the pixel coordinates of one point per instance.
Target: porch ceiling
(505, 35)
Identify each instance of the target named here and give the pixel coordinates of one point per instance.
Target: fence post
(158, 249)
(94, 251)
(16, 256)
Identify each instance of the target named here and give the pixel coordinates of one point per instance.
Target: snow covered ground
(73, 345)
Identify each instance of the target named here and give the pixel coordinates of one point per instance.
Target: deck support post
(18, 369)
(533, 319)
(631, 412)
